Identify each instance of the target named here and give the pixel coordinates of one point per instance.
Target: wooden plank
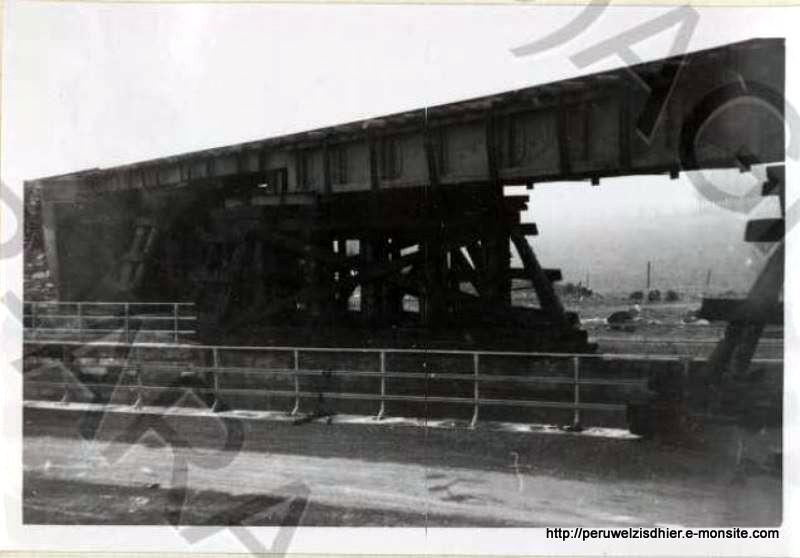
(553, 275)
(300, 247)
(475, 252)
(516, 203)
(768, 288)
(463, 271)
(764, 230)
(776, 185)
(740, 310)
(776, 174)
(294, 198)
(368, 272)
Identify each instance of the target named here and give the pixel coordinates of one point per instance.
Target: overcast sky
(90, 85)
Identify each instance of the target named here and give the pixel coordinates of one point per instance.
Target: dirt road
(125, 468)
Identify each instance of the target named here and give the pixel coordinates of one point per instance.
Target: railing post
(217, 404)
(66, 372)
(65, 375)
(81, 333)
(476, 390)
(684, 387)
(296, 362)
(137, 404)
(127, 325)
(576, 379)
(175, 320)
(382, 408)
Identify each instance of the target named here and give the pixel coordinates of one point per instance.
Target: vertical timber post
(370, 242)
(369, 295)
(432, 303)
(394, 295)
(497, 248)
(476, 389)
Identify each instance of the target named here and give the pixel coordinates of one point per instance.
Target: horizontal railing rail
(392, 350)
(766, 347)
(674, 340)
(48, 318)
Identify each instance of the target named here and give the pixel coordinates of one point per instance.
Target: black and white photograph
(473, 279)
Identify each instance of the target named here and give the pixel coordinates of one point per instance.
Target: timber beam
(541, 283)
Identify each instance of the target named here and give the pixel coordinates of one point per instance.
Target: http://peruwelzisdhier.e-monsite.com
(584, 534)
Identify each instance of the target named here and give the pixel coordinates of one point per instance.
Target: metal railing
(766, 347)
(216, 372)
(87, 320)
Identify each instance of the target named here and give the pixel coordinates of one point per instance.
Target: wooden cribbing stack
(763, 305)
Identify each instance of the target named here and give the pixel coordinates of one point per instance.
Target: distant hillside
(612, 230)
(681, 247)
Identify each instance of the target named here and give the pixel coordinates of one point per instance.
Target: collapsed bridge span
(396, 230)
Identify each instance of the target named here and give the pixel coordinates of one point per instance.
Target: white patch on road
(279, 416)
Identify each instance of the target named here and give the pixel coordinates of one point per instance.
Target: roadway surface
(125, 468)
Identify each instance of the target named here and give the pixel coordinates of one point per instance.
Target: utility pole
(647, 288)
